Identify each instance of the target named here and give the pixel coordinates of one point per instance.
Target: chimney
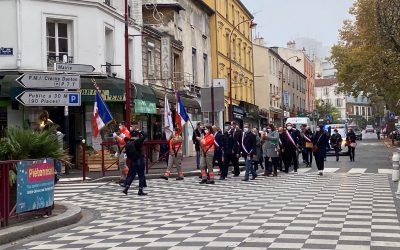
(259, 41)
(291, 45)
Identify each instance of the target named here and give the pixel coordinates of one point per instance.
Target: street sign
(392, 115)
(328, 117)
(206, 99)
(49, 81)
(69, 67)
(219, 82)
(49, 98)
(286, 98)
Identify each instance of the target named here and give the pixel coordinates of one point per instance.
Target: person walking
(351, 143)
(303, 141)
(231, 149)
(207, 145)
(175, 155)
(219, 142)
(321, 143)
(271, 151)
(336, 143)
(378, 133)
(281, 153)
(290, 148)
(308, 138)
(135, 153)
(257, 157)
(197, 133)
(249, 149)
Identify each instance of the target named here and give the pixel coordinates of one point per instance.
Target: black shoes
(164, 177)
(203, 181)
(245, 179)
(221, 178)
(254, 177)
(141, 193)
(210, 182)
(122, 184)
(125, 191)
(179, 178)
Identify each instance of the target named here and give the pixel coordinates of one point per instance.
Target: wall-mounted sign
(286, 98)
(70, 67)
(49, 98)
(6, 51)
(105, 94)
(49, 81)
(166, 57)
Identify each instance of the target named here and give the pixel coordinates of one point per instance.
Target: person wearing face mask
(231, 149)
(207, 144)
(175, 155)
(124, 134)
(280, 158)
(336, 142)
(351, 143)
(290, 148)
(321, 143)
(197, 133)
(249, 149)
(257, 157)
(308, 138)
(218, 147)
(303, 140)
(271, 151)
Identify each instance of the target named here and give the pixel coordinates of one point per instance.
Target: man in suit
(248, 150)
(218, 147)
(290, 142)
(232, 145)
(197, 133)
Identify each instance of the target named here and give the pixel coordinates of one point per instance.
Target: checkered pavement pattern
(293, 211)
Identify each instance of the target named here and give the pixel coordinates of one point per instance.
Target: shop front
(238, 115)
(251, 114)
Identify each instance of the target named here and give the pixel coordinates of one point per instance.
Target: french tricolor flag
(101, 115)
(181, 117)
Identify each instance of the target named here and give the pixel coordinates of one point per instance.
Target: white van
(299, 121)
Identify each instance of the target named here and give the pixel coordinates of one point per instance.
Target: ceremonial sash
(307, 139)
(244, 146)
(290, 138)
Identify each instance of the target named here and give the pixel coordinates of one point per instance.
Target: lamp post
(283, 97)
(127, 75)
(252, 25)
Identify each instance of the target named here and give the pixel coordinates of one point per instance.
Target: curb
(14, 233)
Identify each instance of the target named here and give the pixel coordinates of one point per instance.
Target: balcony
(51, 60)
(108, 2)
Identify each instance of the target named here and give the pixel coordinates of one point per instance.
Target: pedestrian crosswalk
(344, 171)
(64, 191)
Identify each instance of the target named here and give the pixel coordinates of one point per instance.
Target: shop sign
(35, 185)
(238, 110)
(145, 107)
(105, 94)
(6, 51)
(166, 57)
(49, 81)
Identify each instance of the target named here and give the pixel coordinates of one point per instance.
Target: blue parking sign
(73, 98)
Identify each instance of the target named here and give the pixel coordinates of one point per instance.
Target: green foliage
(365, 63)
(21, 144)
(327, 108)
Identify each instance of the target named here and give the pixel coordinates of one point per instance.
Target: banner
(35, 185)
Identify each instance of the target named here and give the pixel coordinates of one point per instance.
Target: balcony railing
(51, 60)
(108, 2)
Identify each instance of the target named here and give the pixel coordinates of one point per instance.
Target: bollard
(395, 159)
(83, 159)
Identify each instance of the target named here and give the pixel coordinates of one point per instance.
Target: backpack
(130, 149)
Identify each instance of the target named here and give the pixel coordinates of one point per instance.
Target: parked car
(369, 129)
(358, 133)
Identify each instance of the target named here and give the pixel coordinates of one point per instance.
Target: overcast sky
(282, 20)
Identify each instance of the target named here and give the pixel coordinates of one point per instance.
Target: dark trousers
(137, 167)
(309, 155)
(198, 154)
(352, 152)
(289, 156)
(228, 158)
(255, 164)
(271, 162)
(304, 155)
(320, 163)
(217, 161)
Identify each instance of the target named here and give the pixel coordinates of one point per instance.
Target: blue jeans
(249, 169)
(137, 167)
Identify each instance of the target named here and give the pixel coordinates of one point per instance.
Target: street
(351, 207)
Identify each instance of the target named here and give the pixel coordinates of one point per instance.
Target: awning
(191, 104)
(145, 100)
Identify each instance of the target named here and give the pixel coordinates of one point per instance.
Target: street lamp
(283, 97)
(252, 25)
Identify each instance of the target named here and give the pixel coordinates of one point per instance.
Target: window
(205, 69)
(233, 15)
(240, 53)
(226, 10)
(228, 45)
(58, 36)
(270, 93)
(326, 91)
(150, 59)
(203, 24)
(270, 64)
(108, 2)
(109, 48)
(194, 65)
(339, 102)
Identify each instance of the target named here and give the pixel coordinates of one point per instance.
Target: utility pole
(127, 75)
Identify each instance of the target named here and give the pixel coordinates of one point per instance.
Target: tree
(324, 108)
(366, 65)
(388, 19)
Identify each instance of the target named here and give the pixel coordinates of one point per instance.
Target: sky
(282, 20)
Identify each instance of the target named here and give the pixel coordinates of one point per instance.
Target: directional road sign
(50, 81)
(69, 67)
(49, 98)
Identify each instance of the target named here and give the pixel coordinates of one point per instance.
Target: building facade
(326, 91)
(359, 110)
(232, 51)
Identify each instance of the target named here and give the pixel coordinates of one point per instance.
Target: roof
(245, 9)
(325, 82)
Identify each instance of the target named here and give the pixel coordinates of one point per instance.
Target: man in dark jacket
(290, 147)
(218, 147)
(336, 143)
(196, 134)
(135, 153)
(231, 148)
(248, 150)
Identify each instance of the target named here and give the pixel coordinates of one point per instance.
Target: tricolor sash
(290, 138)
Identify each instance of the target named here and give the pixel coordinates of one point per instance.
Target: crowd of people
(272, 149)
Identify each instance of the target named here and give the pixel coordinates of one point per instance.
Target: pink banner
(40, 172)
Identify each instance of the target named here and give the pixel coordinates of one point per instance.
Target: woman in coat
(321, 143)
(351, 143)
(271, 151)
(308, 138)
(258, 155)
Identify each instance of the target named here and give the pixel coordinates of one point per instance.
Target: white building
(326, 91)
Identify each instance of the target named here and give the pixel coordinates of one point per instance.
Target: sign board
(206, 100)
(6, 51)
(286, 98)
(328, 117)
(219, 82)
(49, 98)
(166, 57)
(69, 67)
(35, 185)
(50, 81)
(392, 115)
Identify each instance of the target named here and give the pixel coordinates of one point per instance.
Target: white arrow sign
(50, 81)
(69, 67)
(49, 98)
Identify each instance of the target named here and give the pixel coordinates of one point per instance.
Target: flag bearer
(207, 155)
(175, 155)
